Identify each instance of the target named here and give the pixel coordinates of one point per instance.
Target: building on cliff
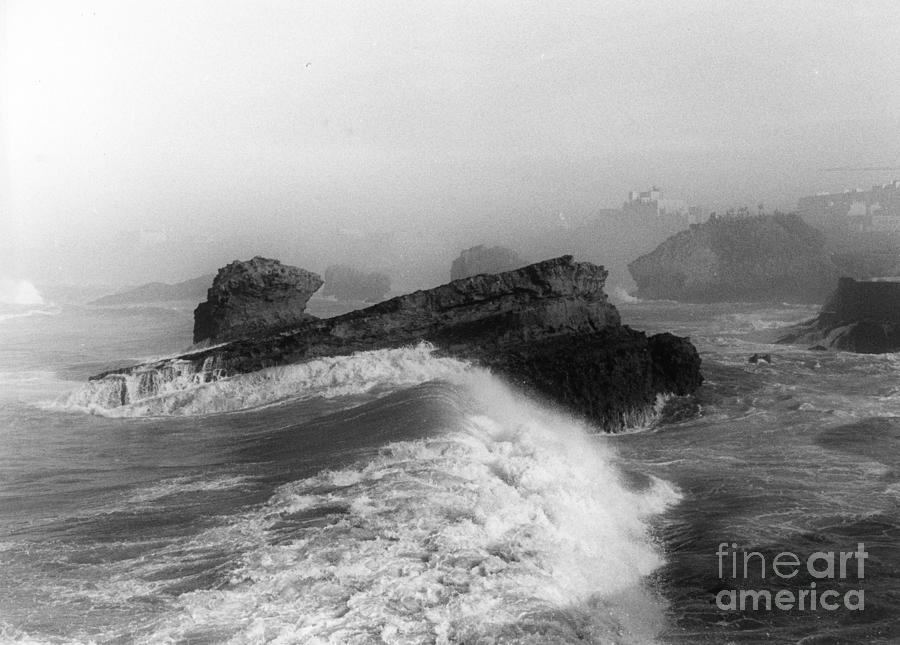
(652, 203)
(877, 209)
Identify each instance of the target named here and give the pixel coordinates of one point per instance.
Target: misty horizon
(151, 142)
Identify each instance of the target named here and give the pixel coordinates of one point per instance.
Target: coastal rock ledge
(547, 327)
(861, 316)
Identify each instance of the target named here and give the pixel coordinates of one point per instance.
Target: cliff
(481, 259)
(547, 326)
(860, 316)
(252, 298)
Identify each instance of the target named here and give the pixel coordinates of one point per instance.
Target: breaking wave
(620, 295)
(182, 389)
(507, 523)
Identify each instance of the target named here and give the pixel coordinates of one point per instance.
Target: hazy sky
(158, 140)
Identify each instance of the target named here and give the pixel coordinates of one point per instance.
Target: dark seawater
(400, 498)
(798, 456)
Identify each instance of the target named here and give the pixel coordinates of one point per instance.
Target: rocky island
(861, 316)
(548, 327)
(767, 258)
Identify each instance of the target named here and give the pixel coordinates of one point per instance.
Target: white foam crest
(189, 391)
(11, 634)
(20, 312)
(513, 526)
(180, 485)
(760, 321)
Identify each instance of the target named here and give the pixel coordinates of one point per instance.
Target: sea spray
(506, 523)
(19, 292)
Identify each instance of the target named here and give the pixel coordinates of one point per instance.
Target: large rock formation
(547, 326)
(154, 292)
(774, 258)
(347, 283)
(860, 316)
(252, 298)
(481, 259)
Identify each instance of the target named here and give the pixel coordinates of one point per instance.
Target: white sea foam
(739, 323)
(184, 392)
(181, 485)
(511, 525)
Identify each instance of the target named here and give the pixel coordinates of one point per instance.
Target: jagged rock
(347, 283)
(609, 376)
(548, 326)
(481, 259)
(860, 316)
(254, 297)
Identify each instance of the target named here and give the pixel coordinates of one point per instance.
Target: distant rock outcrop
(860, 316)
(346, 283)
(481, 259)
(155, 292)
(254, 297)
(548, 326)
(771, 258)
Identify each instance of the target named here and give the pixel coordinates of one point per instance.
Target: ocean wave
(11, 312)
(754, 321)
(507, 524)
(184, 392)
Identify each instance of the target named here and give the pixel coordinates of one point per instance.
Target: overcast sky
(157, 140)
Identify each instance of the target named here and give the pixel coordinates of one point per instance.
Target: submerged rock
(861, 316)
(482, 259)
(548, 326)
(254, 297)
